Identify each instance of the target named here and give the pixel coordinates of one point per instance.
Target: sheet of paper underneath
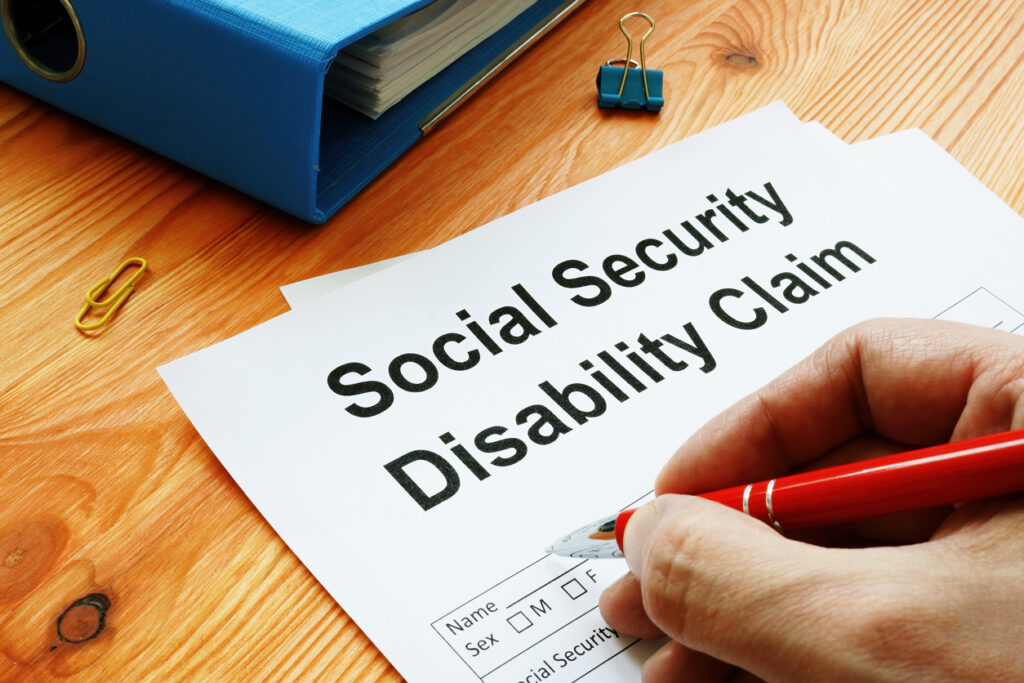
(462, 591)
(909, 159)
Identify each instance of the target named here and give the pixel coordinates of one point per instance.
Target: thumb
(730, 586)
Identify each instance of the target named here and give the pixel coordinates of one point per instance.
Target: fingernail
(638, 530)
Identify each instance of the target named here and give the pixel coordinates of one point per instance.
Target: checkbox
(519, 621)
(573, 588)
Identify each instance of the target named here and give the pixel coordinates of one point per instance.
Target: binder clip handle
(628, 86)
(629, 50)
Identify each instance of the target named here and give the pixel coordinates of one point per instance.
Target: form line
(569, 623)
(546, 583)
(605, 661)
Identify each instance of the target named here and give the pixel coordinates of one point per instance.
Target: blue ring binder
(234, 89)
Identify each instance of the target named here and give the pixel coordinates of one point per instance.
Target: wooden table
(111, 504)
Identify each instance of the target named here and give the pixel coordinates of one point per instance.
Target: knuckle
(1006, 394)
(866, 332)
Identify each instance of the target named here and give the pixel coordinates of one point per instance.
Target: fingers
(912, 381)
(724, 584)
(730, 591)
(689, 559)
(621, 604)
(675, 662)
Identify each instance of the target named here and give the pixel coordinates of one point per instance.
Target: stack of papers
(374, 73)
(420, 430)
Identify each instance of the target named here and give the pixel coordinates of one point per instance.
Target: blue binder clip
(627, 86)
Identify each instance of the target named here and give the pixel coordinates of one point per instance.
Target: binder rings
(234, 88)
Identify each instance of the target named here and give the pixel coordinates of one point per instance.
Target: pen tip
(550, 549)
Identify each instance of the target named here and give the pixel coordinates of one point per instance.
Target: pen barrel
(928, 477)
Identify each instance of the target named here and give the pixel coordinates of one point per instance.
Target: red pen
(939, 475)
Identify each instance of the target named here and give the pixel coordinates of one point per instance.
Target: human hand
(946, 602)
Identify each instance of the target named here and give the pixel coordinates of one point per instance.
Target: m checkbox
(519, 621)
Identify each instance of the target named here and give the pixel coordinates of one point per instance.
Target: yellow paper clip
(113, 301)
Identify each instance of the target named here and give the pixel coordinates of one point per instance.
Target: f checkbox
(574, 589)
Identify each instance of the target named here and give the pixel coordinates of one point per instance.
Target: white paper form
(553, 422)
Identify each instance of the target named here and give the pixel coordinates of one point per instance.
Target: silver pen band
(768, 504)
(746, 499)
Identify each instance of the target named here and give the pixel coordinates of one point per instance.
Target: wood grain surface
(126, 551)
